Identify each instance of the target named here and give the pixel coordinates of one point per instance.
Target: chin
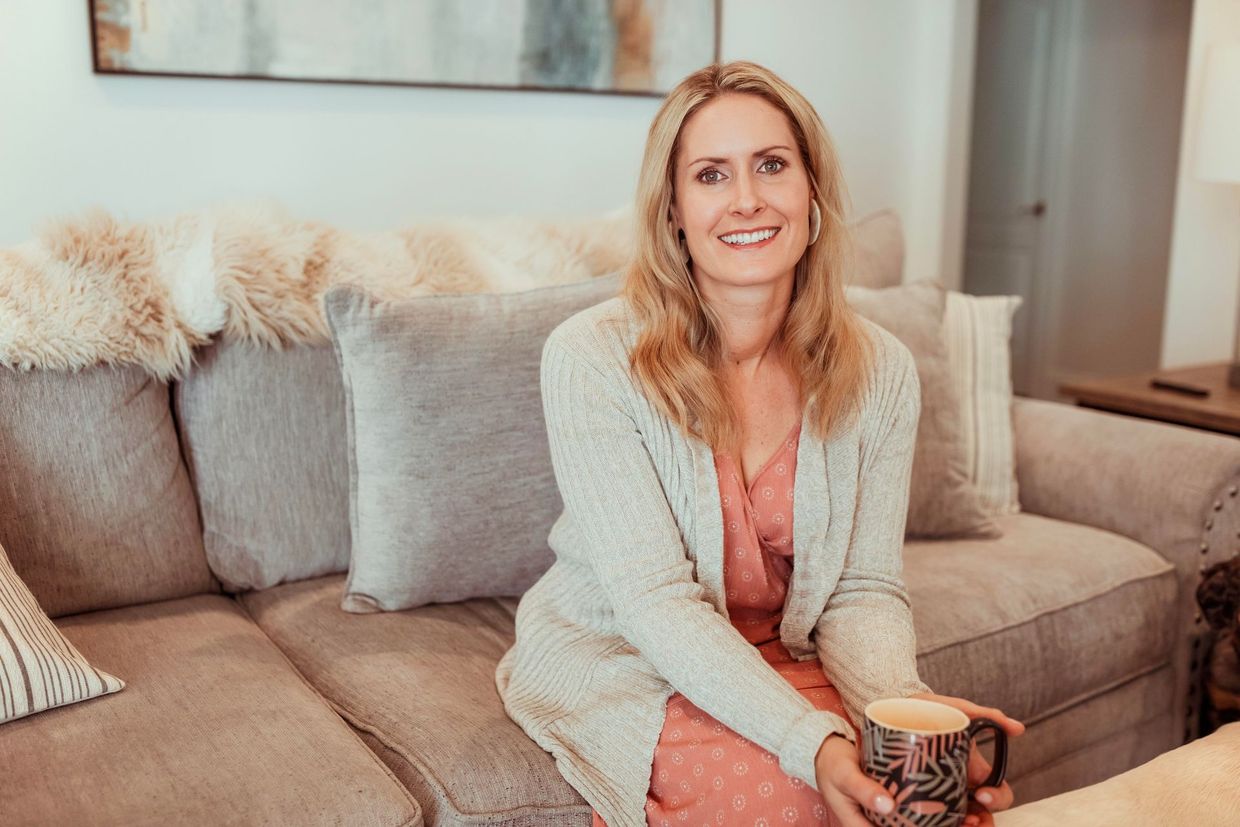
(747, 278)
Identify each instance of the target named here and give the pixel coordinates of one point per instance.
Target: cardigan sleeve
(614, 498)
(864, 637)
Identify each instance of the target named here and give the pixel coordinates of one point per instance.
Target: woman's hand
(844, 785)
(979, 768)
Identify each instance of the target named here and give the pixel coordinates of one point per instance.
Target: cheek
(793, 205)
(702, 213)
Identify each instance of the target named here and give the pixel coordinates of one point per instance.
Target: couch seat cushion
(1071, 610)
(214, 726)
(1046, 615)
(419, 685)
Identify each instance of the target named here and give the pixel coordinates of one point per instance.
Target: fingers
(845, 786)
(1001, 797)
(1011, 726)
(978, 817)
(979, 768)
(846, 810)
(865, 790)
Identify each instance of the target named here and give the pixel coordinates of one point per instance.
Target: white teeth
(748, 238)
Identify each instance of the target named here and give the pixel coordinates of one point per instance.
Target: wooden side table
(1133, 395)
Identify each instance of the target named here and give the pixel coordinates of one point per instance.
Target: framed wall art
(633, 47)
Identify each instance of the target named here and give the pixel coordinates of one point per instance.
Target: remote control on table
(1179, 387)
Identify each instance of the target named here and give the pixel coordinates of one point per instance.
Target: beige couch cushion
(213, 727)
(419, 685)
(1041, 617)
(448, 453)
(96, 509)
(1033, 622)
(264, 436)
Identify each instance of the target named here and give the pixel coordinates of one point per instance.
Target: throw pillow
(878, 250)
(250, 414)
(978, 331)
(39, 668)
(942, 501)
(451, 489)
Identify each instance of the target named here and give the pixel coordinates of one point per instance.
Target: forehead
(733, 126)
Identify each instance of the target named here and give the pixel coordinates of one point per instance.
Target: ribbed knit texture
(634, 607)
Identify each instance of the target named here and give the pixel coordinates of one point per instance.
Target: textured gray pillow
(942, 501)
(451, 489)
(251, 415)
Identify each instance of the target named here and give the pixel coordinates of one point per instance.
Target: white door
(1075, 146)
(1006, 204)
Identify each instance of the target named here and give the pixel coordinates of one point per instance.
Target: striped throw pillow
(978, 330)
(39, 668)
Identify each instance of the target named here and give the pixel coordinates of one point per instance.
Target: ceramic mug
(919, 751)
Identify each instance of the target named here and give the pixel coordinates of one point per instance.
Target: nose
(745, 196)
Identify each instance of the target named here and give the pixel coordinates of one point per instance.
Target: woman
(733, 448)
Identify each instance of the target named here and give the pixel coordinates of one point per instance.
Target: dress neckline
(761, 469)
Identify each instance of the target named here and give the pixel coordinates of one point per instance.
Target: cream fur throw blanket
(92, 289)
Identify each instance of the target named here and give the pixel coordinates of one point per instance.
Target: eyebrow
(725, 160)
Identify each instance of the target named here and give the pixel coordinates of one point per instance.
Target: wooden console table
(1133, 395)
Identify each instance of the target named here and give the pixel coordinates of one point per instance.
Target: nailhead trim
(1197, 659)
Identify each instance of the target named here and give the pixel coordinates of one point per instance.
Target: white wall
(1202, 282)
(942, 116)
(370, 157)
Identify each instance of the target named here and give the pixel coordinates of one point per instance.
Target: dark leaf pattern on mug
(926, 775)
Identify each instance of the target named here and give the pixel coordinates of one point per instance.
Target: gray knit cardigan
(634, 609)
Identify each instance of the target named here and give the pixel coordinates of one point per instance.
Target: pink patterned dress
(703, 772)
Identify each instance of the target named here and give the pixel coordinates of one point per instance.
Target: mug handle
(999, 769)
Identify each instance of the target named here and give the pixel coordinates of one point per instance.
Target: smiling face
(738, 179)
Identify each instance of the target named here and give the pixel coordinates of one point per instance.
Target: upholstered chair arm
(1172, 488)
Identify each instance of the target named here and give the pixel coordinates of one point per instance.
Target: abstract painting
(638, 47)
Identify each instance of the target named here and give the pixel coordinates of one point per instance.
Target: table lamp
(1218, 143)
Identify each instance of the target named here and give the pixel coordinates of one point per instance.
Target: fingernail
(883, 804)
(985, 798)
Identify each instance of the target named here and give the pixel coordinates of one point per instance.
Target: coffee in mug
(919, 750)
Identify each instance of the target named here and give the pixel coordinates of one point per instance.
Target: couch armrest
(1169, 487)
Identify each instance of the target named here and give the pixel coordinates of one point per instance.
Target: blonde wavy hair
(678, 351)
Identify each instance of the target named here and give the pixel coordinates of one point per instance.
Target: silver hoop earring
(815, 221)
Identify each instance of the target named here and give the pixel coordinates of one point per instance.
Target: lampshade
(1218, 136)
